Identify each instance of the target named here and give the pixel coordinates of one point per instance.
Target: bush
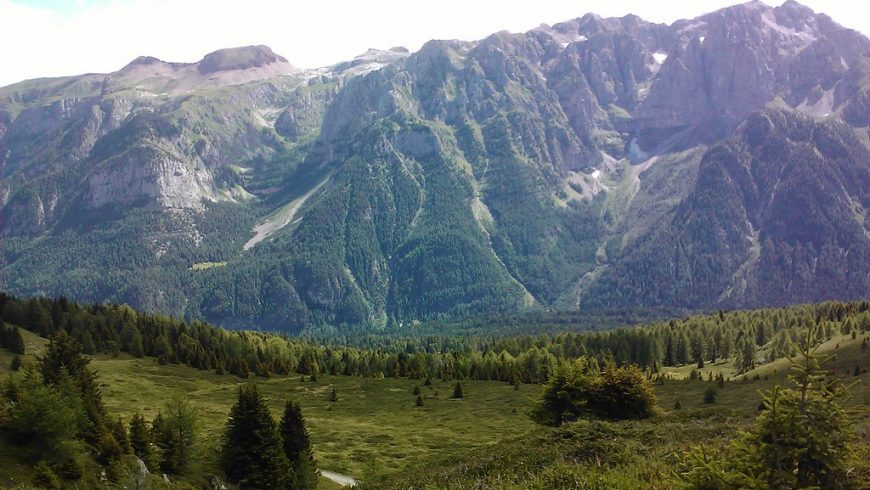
(46, 477)
(577, 389)
(623, 393)
(710, 394)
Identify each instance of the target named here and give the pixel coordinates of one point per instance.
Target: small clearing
(200, 266)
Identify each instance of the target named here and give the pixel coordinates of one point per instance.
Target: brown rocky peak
(242, 58)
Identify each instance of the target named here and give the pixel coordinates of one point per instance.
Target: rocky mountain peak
(143, 61)
(242, 58)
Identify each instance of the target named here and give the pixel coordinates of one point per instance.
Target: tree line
(746, 338)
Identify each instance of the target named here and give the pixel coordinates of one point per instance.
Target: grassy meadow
(376, 433)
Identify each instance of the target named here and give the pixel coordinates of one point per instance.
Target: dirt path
(343, 480)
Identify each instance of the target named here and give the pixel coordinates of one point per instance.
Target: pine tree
(710, 394)
(333, 396)
(140, 439)
(297, 447)
(63, 356)
(175, 434)
(419, 401)
(457, 391)
(252, 454)
(122, 437)
(15, 342)
(416, 390)
(16, 363)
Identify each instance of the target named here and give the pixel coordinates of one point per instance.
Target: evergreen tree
(252, 454)
(175, 435)
(122, 437)
(45, 417)
(140, 439)
(297, 448)
(802, 438)
(710, 394)
(333, 395)
(457, 391)
(16, 363)
(63, 357)
(15, 342)
(419, 401)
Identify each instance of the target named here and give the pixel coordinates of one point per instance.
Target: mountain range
(596, 164)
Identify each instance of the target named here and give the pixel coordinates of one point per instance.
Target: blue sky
(57, 37)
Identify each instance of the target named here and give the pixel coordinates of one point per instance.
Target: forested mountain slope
(597, 164)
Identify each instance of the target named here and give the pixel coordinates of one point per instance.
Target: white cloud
(104, 36)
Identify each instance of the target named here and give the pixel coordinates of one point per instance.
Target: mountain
(597, 164)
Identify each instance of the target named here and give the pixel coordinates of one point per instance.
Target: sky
(46, 38)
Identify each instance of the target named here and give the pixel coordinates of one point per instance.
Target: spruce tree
(63, 356)
(140, 438)
(457, 391)
(122, 437)
(175, 434)
(801, 438)
(15, 341)
(419, 401)
(297, 448)
(252, 454)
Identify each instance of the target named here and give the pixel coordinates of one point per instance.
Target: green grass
(374, 424)
(375, 429)
(639, 454)
(374, 419)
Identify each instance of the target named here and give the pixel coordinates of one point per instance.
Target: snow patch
(660, 57)
(701, 39)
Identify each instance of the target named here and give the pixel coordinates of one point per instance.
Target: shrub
(46, 477)
(710, 394)
(577, 389)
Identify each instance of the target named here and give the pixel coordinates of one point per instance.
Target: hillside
(597, 164)
(376, 434)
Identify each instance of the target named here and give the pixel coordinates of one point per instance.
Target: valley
(375, 433)
(603, 253)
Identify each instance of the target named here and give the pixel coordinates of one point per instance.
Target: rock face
(597, 163)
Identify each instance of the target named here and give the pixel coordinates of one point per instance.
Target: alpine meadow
(606, 253)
